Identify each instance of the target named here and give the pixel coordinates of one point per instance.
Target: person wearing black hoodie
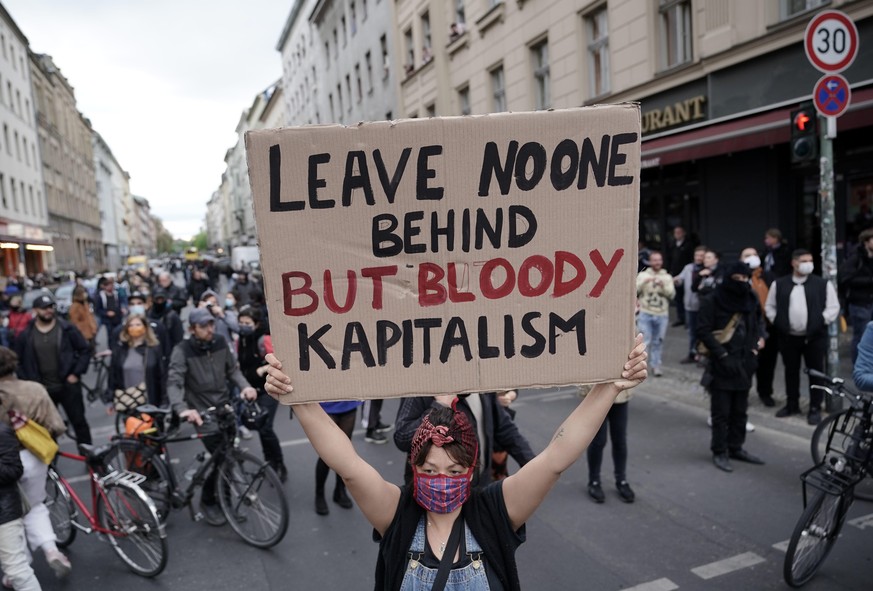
(732, 364)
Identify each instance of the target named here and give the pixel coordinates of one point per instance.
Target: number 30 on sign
(831, 41)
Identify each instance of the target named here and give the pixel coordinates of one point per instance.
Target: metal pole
(829, 245)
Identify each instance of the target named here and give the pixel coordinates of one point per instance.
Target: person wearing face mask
(162, 312)
(801, 306)
(226, 324)
(253, 345)
(54, 353)
(856, 287)
(200, 369)
(728, 377)
(81, 316)
(137, 359)
(769, 354)
(441, 532)
(139, 305)
(19, 318)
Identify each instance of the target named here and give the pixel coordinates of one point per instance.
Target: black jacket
(75, 354)
(500, 431)
(155, 372)
(856, 278)
(731, 365)
(10, 471)
(198, 377)
(245, 293)
(678, 256)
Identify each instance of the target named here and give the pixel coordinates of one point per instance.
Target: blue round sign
(832, 95)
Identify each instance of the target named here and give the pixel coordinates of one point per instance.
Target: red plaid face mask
(439, 493)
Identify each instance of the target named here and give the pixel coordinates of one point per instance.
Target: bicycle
(100, 364)
(846, 461)
(249, 491)
(120, 511)
(828, 429)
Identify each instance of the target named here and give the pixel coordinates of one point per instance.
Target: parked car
(64, 297)
(29, 296)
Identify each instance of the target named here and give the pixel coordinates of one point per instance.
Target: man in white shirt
(801, 306)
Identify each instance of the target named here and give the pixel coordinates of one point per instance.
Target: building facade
(25, 246)
(716, 81)
(68, 170)
(143, 237)
(113, 194)
(336, 62)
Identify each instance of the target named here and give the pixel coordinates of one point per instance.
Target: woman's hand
(635, 370)
(277, 382)
(506, 398)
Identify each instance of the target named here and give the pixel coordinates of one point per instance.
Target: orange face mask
(136, 331)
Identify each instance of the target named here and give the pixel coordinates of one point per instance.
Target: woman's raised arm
(525, 490)
(376, 497)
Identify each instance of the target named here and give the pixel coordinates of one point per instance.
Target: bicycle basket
(851, 437)
(139, 425)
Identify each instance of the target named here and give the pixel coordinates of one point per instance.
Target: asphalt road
(692, 526)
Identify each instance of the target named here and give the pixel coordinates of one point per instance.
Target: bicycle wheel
(134, 455)
(62, 511)
(818, 446)
(814, 536)
(251, 496)
(135, 532)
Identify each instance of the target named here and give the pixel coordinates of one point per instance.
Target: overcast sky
(164, 82)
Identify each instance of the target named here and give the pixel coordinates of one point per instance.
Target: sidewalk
(682, 382)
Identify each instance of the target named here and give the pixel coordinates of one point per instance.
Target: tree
(163, 239)
(200, 241)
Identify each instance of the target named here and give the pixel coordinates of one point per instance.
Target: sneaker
(213, 514)
(374, 436)
(59, 563)
(625, 492)
(657, 372)
(749, 427)
(596, 492)
(245, 432)
(383, 428)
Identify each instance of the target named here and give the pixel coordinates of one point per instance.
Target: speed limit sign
(831, 41)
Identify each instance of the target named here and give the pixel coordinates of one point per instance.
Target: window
(339, 101)
(354, 18)
(345, 32)
(23, 198)
(460, 13)
(426, 53)
(18, 102)
(26, 153)
(349, 90)
(27, 110)
(14, 194)
(363, 10)
(464, 100)
(542, 91)
(17, 147)
(32, 203)
(359, 82)
(598, 52)
(791, 8)
(335, 43)
(368, 60)
(3, 193)
(430, 110)
(386, 66)
(14, 63)
(675, 17)
(410, 50)
(498, 90)
(327, 54)
(3, 43)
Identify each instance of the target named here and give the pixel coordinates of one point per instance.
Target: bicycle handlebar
(856, 399)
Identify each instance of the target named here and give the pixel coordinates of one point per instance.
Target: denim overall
(420, 578)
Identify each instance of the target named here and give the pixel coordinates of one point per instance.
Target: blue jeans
(859, 316)
(691, 325)
(653, 328)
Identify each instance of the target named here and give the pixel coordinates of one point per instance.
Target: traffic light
(804, 135)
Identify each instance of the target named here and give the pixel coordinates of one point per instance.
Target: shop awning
(736, 135)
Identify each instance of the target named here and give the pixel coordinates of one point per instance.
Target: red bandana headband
(440, 435)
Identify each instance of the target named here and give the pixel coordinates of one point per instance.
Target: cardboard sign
(449, 255)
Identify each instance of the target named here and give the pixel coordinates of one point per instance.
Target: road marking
(659, 585)
(728, 565)
(862, 522)
(782, 546)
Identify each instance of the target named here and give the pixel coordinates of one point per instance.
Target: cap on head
(137, 295)
(44, 301)
(208, 294)
(159, 293)
(200, 317)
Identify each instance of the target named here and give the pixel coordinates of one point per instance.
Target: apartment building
(65, 138)
(336, 62)
(716, 80)
(25, 246)
(113, 196)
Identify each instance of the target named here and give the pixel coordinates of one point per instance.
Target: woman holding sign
(439, 533)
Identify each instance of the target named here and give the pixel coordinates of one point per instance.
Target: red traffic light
(801, 120)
